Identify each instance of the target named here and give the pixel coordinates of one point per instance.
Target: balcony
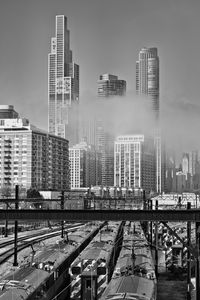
(7, 173)
(7, 168)
(7, 157)
(7, 151)
(7, 178)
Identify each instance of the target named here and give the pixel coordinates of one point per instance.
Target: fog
(180, 123)
(179, 119)
(121, 115)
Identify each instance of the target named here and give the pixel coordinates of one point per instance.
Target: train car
(48, 275)
(134, 275)
(100, 256)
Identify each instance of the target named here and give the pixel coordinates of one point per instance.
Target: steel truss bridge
(191, 215)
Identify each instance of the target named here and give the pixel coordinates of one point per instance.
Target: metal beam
(173, 232)
(92, 215)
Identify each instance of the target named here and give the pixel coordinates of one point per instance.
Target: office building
(83, 165)
(63, 85)
(185, 164)
(147, 76)
(147, 84)
(109, 86)
(32, 158)
(194, 162)
(8, 112)
(134, 162)
(180, 182)
(170, 172)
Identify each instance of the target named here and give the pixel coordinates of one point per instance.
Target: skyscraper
(185, 164)
(147, 76)
(134, 162)
(147, 83)
(83, 162)
(108, 86)
(63, 85)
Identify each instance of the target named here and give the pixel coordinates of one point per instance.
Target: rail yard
(96, 260)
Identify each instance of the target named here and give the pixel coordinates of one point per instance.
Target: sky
(105, 37)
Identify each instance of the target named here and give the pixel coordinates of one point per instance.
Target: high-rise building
(147, 84)
(32, 158)
(8, 112)
(185, 164)
(180, 182)
(193, 162)
(134, 164)
(63, 85)
(147, 76)
(170, 172)
(110, 85)
(83, 165)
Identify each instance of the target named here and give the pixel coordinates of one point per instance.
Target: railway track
(33, 281)
(27, 241)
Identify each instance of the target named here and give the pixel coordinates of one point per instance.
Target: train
(48, 276)
(99, 256)
(111, 259)
(134, 274)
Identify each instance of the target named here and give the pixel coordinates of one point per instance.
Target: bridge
(191, 215)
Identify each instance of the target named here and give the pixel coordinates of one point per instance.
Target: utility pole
(15, 263)
(62, 207)
(156, 244)
(144, 200)
(6, 224)
(151, 223)
(188, 255)
(145, 223)
(197, 261)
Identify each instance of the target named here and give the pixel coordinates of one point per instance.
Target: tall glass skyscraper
(63, 85)
(147, 83)
(147, 76)
(108, 86)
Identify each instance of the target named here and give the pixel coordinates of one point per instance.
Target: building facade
(63, 85)
(180, 182)
(147, 76)
(134, 162)
(83, 165)
(108, 86)
(170, 172)
(32, 158)
(185, 164)
(147, 84)
(8, 112)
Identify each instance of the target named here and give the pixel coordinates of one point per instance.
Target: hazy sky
(106, 37)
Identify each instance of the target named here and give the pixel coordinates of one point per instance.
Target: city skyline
(106, 37)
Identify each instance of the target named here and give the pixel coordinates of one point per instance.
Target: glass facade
(63, 84)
